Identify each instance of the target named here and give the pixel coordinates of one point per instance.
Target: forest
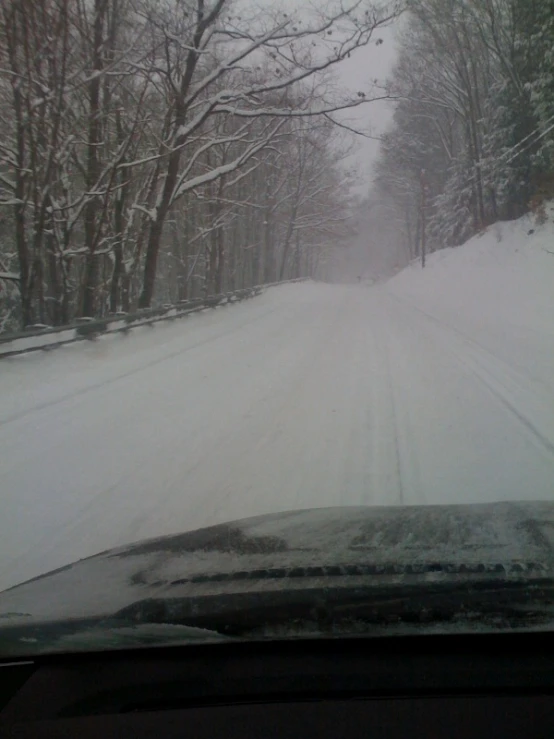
(152, 151)
(472, 137)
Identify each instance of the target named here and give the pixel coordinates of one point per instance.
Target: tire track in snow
(289, 408)
(136, 370)
(493, 384)
(247, 452)
(496, 379)
(391, 446)
(395, 425)
(524, 378)
(412, 490)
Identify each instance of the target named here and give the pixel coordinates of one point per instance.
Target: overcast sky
(357, 72)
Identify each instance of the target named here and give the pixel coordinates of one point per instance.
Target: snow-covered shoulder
(504, 275)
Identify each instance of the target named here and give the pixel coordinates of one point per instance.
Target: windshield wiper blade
(319, 611)
(75, 635)
(241, 614)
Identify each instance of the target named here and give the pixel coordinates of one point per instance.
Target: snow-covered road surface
(309, 395)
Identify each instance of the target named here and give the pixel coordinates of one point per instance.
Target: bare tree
(121, 117)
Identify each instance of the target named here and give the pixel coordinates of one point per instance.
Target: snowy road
(309, 395)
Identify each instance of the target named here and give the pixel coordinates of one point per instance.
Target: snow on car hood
(288, 549)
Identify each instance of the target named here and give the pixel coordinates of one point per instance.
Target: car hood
(398, 545)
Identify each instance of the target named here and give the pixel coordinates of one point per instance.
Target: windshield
(277, 259)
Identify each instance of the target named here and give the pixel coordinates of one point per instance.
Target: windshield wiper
(272, 613)
(243, 614)
(76, 635)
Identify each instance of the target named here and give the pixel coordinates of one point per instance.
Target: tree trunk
(37, 287)
(19, 215)
(172, 172)
(267, 257)
(125, 292)
(93, 168)
(151, 260)
(219, 276)
(53, 282)
(209, 284)
(119, 207)
(220, 266)
(23, 257)
(286, 245)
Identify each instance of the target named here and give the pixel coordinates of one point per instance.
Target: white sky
(357, 72)
(366, 64)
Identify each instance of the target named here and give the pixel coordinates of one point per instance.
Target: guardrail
(50, 337)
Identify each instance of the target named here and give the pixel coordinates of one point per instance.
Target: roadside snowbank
(497, 288)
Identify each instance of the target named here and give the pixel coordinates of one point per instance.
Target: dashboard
(476, 686)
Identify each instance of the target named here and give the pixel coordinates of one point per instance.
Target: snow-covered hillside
(436, 387)
(507, 270)
(498, 288)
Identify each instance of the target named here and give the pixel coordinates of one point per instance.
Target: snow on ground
(437, 386)
(498, 289)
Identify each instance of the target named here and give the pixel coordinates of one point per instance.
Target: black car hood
(292, 549)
